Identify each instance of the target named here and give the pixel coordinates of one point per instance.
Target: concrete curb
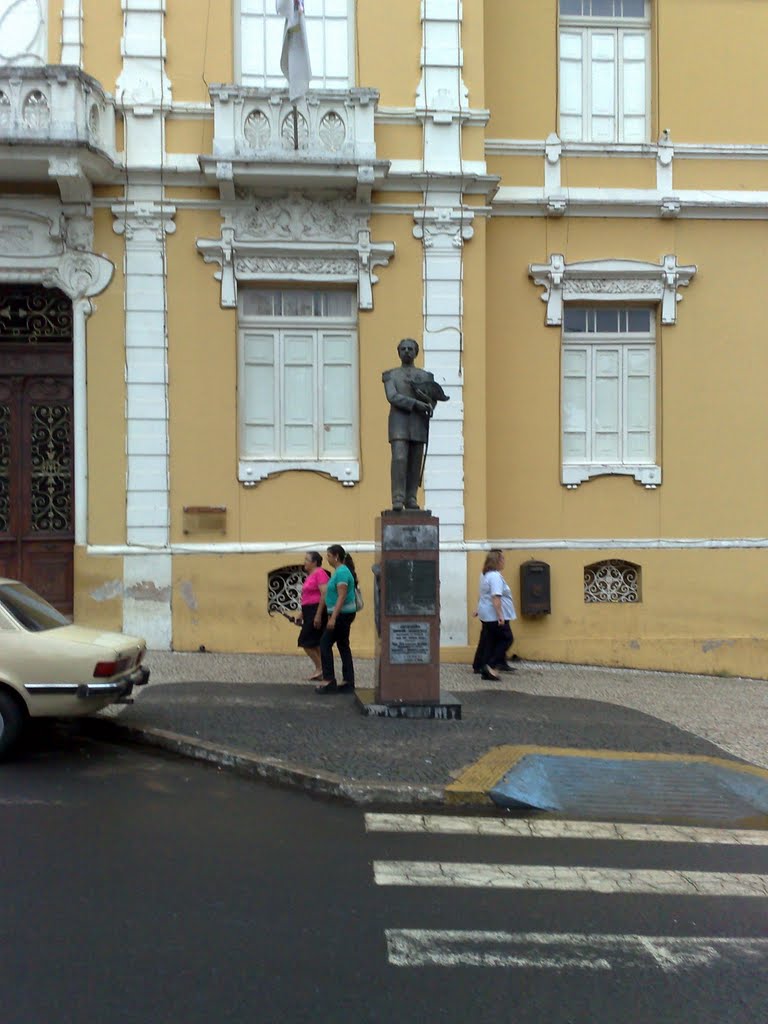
(315, 781)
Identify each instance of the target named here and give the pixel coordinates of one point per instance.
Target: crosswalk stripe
(520, 828)
(570, 879)
(423, 948)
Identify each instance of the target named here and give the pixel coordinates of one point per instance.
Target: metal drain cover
(620, 787)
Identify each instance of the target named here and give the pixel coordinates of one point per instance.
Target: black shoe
(327, 688)
(346, 688)
(505, 668)
(489, 673)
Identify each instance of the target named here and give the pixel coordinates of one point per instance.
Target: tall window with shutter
(260, 42)
(605, 70)
(298, 392)
(609, 394)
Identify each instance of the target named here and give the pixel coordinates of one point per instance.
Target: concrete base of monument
(447, 708)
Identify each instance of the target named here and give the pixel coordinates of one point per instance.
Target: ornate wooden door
(36, 453)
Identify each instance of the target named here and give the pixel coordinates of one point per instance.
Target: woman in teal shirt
(341, 605)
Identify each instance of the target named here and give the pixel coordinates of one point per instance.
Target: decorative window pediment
(624, 281)
(296, 239)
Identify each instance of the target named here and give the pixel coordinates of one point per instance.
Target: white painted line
(417, 948)
(569, 879)
(23, 801)
(521, 828)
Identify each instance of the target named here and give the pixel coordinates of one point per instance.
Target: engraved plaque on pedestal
(412, 537)
(411, 587)
(409, 643)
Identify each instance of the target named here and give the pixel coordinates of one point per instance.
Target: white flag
(294, 60)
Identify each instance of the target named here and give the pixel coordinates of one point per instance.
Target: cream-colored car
(50, 668)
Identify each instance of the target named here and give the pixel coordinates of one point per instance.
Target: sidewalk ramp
(615, 785)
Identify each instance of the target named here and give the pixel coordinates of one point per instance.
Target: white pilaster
(444, 225)
(143, 217)
(72, 33)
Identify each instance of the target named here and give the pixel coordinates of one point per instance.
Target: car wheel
(11, 722)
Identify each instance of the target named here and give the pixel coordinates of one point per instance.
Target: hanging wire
(461, 191)
(206, 83)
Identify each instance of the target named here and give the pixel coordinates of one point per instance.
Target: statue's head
(408, 349)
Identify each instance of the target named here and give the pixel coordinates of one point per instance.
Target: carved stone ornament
(36, 249)
(443, 227)
(610, 281)
(297, 239)
(297, 217)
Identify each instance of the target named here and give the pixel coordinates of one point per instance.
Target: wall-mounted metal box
(535, 591)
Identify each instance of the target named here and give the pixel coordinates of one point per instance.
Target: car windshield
(31, 610)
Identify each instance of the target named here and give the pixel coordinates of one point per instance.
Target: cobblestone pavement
(261, 704)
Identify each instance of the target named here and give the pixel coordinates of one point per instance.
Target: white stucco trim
(683, 150)
(477, 117)
(145, 219)
(252, 471)
(534, 544)
(511, 201)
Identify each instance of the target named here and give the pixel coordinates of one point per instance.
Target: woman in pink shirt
(313, 610)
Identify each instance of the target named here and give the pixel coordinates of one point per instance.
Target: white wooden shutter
(603, 86)
(639, 404)
(339, 391)
(259, 401)
(634, 85)
(607, 393)
(571, 86)
(575, 403)
(299, 394)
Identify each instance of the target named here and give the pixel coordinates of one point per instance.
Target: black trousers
(495, 640)
(339, 636)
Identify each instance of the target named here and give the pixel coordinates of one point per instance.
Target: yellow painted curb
(474, 784)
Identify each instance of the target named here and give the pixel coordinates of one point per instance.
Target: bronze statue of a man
(412, 394)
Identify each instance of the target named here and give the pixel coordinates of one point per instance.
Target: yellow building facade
(563, 201)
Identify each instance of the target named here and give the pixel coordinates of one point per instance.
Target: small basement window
(284, 591)
(612, 582)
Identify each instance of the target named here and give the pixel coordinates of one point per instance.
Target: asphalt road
(140, 888)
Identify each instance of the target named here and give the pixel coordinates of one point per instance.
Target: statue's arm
(404, 402)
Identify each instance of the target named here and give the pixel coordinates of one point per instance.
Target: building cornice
(695, 204)
(682, 150)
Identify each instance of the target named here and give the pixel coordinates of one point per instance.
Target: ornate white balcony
(56, 123)
(260, 140)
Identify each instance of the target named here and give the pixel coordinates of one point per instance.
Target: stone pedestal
(408, 642)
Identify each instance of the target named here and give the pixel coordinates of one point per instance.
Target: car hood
(99, 638)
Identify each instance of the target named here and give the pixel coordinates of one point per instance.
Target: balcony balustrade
(56, 122)
(261, 139)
